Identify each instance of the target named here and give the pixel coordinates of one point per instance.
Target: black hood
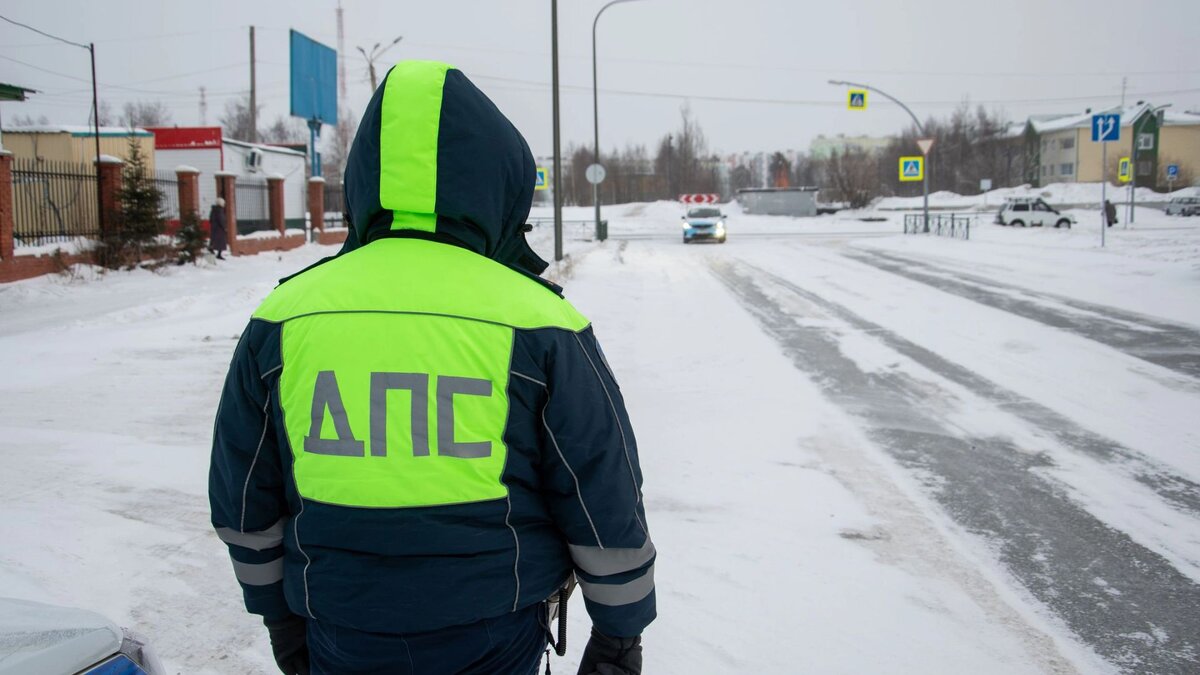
(434, 158)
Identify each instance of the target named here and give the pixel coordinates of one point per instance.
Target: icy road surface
(863, 452)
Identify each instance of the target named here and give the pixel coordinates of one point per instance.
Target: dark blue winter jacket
(419, 433)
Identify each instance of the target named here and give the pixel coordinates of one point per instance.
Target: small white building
(207, 150)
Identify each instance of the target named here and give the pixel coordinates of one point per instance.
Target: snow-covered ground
(863, 451)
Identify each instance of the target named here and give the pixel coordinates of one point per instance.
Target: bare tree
(145, 114)
(854, 176)
(106, 114)
(284, 130)
(781, 170)
(237, 121)
(337, 147)
(29, 121)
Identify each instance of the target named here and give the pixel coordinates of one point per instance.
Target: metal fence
(253, 206)
(335, 205)
(53, 201)
(954, 225)
(168, 185)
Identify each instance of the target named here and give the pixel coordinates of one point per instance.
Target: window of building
(1068, 143)
(1145, 141)
(1143, 168)
(1066, 169)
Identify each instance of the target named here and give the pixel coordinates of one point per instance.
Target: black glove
(289, 643)
(606, 655)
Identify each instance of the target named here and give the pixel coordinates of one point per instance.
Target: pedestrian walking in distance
(218, 237)
(1110, 213)
(420, 440)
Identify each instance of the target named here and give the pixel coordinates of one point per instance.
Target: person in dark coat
(422, 531)
(218, 237)
(1110, 213)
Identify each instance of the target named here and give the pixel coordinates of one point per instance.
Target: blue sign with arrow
(1172, 172)
(1106, 128)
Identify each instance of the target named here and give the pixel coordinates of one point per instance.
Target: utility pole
(203, 108)
(558, 226)
(253, 94)
(341, 55)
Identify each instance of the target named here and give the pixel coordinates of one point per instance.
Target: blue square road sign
(1172, 171)
(1106, 128)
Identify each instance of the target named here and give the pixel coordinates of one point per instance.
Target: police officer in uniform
(419, 440)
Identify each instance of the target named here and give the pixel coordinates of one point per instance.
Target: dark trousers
(512, 643)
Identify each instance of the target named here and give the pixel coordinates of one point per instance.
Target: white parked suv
(1183, 206)
(1031, 212)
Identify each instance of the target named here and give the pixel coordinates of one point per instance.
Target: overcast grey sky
(1021, 57)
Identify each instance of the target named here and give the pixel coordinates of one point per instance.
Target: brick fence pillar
(227, 190)
(275, 202)
(108, 172)
(316, 204)
(6, 205)
(187, 180)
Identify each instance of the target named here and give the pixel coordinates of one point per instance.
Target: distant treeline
(969, 145)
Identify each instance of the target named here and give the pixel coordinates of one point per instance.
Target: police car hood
(435, 158)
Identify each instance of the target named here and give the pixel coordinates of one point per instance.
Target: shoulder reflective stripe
(615, 595)
(408, 141)
(526, 377)
(257, 541)
(605, 561)
(261, 574)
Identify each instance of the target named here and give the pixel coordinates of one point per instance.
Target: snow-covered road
(863, 452)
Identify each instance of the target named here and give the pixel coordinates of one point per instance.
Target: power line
(42, 32)
(811, 102)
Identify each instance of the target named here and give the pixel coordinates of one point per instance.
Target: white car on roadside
(1183, 206)
(1032, 212)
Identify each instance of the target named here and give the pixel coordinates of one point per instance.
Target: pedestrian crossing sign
(912, 169)
(1124, 170)
(540, 183)
(857, 100)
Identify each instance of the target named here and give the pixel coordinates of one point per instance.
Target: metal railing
(955, 225)
(53, 201)
(335, 205)
(253, 205)
(168, 184)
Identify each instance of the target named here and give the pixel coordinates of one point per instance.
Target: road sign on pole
(1106, 128)
(1172, 173)
(1124, 170)
(594, 174)
(700, 198)
(912, 169)
(540, 182)
(857, 99)
(925, 144)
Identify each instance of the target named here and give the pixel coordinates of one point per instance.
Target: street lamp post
(376, 52)
(920, 130)
(596, 112)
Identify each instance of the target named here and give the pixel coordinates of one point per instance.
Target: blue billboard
(314, 79)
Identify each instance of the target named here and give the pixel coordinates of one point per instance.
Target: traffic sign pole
(920, 129)
(1103, 191)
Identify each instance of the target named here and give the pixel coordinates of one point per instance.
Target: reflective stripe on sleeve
(261, 574)
(257, 541)
(605, 561)
(614, 595)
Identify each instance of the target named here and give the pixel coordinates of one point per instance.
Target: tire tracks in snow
(1162, 343)
(1125, 601)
